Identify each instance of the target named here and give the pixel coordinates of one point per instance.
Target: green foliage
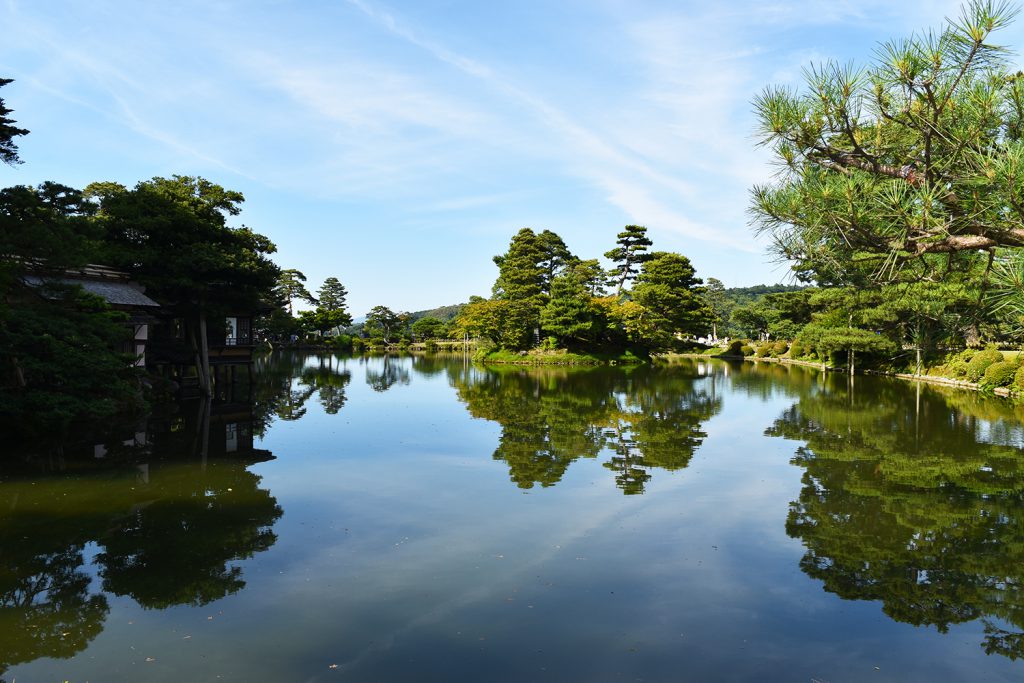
(779, 348)
(999, 374)
(763, 350)
(735, 347)
(555, 260)
(429, 328)
(508, 324)
(291, 286)
(980, 362)
(8, 131)
(59, 364)
(331, 297)
(542, 291)
(797, 349)
(903, 168)
(59, 357)
(747, 350)
(383, 324)
(172, 235)
(523, 268)
(628, 256)
(839, 341)
(571, 317)
(955, 365)
(668, 288)
(1018, 379)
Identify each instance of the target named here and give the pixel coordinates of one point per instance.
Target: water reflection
(159, 511)
(911, 500)
(641, 418)
(385, 372)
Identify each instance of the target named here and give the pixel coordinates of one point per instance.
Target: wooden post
(205, 353)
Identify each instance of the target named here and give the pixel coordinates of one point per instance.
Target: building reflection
(161, 510)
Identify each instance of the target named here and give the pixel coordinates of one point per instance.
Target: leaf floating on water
(333, 666)
(150, 659)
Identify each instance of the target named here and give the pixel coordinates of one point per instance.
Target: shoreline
(1002, 392)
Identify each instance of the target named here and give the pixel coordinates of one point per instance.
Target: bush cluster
(1000, 374)
(779, 348)
(735, 347)
(747, 350)
(1018, 379)
(763, 350)
(980, 362)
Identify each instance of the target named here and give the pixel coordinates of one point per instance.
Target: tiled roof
(114, 292)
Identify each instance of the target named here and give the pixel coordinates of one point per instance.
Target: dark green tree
(557, 257)
(628, 256)
(383, 323)
(8, 131)
(522, 270)
(59, 347)
(571, 316)
(291, 286)
(172, 235)
(507, 324)
(719, 303)
(669, 290)
(429, 327)
(332, 296)
(591, 274)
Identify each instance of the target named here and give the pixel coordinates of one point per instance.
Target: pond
(426, 519)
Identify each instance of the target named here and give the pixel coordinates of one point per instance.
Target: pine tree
(629, 255)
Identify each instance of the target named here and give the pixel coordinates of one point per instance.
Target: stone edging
(930, 379)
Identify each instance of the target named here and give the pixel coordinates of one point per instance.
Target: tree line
(547, 297)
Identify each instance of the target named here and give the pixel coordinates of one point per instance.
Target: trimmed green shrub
(979, 363)
(747, 350)
(763, 350)
(1000, 374)
(797, 350)
(735, 348)
(1018, 379)
(779, 348)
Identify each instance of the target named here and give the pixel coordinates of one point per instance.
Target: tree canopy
(902, 169)
(8, 131)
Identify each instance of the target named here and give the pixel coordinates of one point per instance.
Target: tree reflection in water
(166, 508)
(911, 500)
(386, 374)
(644, 418)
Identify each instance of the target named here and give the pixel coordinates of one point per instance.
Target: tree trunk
(853, 358)
(204, 348)
(918, 370)
(193, 337)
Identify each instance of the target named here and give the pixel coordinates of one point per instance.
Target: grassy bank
(556, 357)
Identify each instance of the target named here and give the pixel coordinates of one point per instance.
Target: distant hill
(445, 313)
(741, 296)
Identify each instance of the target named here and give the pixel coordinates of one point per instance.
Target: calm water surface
(424, 519)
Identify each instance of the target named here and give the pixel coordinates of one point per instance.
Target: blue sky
(398, 145)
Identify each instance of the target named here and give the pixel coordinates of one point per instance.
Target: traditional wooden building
(120, 293)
